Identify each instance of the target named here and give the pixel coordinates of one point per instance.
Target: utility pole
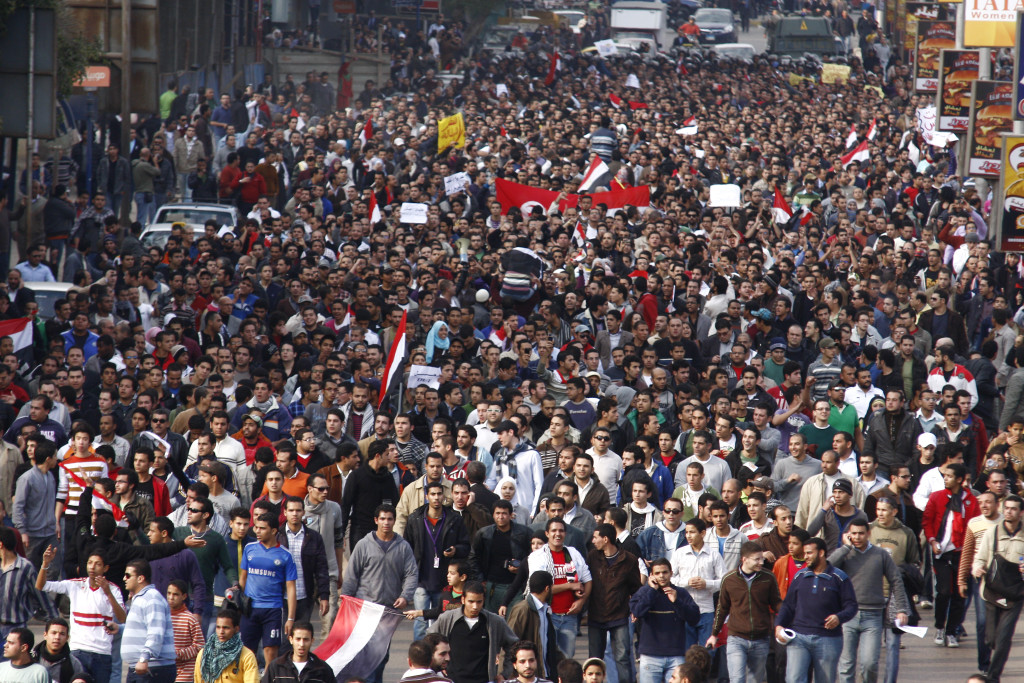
(126, 103)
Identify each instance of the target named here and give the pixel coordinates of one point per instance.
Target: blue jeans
(115, 657)
(863, 635)
(157, 674)
(700, 633)
(821, 652)
(657, 669)
(599, 637)
(145, 210)
(423, 599)
(565, 633)
(981, 623)
(892, 655)
(95, 664)
(747, 659)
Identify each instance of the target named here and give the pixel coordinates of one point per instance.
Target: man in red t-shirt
(571, 583)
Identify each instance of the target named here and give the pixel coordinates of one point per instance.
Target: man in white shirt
(861, 393)
(700, 570)
(759, 524)
(607, 463)
(869, 478)
(842, 444)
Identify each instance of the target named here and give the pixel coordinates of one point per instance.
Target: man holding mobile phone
(665, 611)
(437, 535)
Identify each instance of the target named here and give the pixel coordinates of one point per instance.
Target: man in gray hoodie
(34, 504)
(324, 516)
(383, 570)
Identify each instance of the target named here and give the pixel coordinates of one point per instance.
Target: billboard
(991, 115)
(957, 70)
(990, 23)
(1013, 193)
(932, 38)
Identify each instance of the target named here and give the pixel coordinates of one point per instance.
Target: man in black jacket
(371, 485)
(307, 548)
(496, 553)
(437, 535)
(314, 669)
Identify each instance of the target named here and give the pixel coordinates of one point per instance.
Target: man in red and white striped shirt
(188, 632)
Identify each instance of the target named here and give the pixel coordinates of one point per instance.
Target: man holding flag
(381, 570)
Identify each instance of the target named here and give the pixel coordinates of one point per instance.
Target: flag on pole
(19, 330)
(395, 357)
(360, 637)
(596, 172)
(582, 237)
(366, 133)
(781, 210)
(552, 69)
(859, 153)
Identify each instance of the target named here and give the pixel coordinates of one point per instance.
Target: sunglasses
(602, 438)
(196, 510)
(322, 489)
(673, 511)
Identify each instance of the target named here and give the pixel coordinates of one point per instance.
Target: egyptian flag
(555, 66)
(781, 210)
(395, 357)
(597, 172)
(374, 210)
(689, 127)
(498, 337)
(851, 137)
(504, 133)
(615, 100)
(581, 237)
(366, 133)
(360, 637)
(20, 332)
(105, 503)
(860, 153)
(873, 130)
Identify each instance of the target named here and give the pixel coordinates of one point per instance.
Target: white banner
(605, 48)
(424, 374)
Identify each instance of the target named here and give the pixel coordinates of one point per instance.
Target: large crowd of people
(718, 442)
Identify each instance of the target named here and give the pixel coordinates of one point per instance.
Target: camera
(512, 564)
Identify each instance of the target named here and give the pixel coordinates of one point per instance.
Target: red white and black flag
(359, 639)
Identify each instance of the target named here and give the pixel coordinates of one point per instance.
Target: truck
(637, 23)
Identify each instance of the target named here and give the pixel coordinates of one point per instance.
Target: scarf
(434, 342)
(262, 407)
(217, 656)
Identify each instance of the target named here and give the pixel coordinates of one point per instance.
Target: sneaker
(925, 604)
(940, 637)
(951, 641)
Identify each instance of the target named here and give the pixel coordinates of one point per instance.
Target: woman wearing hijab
(437, 341)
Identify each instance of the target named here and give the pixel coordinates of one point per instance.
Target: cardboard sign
(413, 213)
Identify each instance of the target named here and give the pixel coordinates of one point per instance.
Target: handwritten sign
(455, 183)
(424, 374)
(414, 213)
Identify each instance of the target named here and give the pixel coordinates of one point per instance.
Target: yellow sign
(835, 73)
(451, 131)
(990, 23)
(1013, 193)
(803, 25)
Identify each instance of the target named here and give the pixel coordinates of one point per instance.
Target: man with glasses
(662, 539)
(898, 491)
(820, 433)
(212, 557)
